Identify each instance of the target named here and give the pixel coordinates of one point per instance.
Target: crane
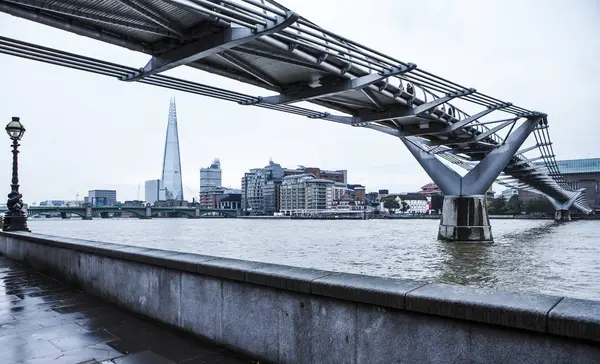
(76, 194)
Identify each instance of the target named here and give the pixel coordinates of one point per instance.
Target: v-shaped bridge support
(464, 215)
(562, 209)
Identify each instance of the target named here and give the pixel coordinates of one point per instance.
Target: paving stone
(17, 354)
(83, 340)
(90, 354)
(144, 357)
(43, 321)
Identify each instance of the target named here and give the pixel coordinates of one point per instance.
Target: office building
(100, 198)
(351, 196)
(52, 203)
(211, 197)
(154, 191)
(230, 200)
(260, 189)
(305, 194)
(210, 177)
(171, 171)
(340, 176)
(343, 197)
(358, 192)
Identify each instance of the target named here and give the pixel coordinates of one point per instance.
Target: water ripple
(535, 256)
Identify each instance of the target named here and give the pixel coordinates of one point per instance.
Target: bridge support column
(562, 212)
(464, 214)
(147, 213)
(88, 213)
(465, 218)
(197, 212)
(562, 215)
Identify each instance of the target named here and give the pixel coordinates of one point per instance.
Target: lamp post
(15, 219)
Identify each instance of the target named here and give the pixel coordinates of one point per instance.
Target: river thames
(528, 255)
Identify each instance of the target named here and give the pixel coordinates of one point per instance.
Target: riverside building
(263, 190)
(260, 189)
(305, 194)
(340, 176)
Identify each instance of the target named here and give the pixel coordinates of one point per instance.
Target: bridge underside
(265, 44)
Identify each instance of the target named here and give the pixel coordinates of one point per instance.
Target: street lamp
(15, 219)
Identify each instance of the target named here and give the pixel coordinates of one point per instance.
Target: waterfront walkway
(44, 321)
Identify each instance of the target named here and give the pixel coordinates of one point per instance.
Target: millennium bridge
(262, 43)
(273, 313)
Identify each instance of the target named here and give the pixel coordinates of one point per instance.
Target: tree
(538, 205)
(512, 206)
(405, 207)
(437, 202)
(390, 203)
(497, 206)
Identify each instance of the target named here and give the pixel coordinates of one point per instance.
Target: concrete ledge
(576, 318)
(522, 311)
(386, 292)
(285, 277)
(291, 314)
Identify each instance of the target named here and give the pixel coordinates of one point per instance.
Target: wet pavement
(43, 321)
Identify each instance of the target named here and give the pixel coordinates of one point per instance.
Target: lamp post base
(15, 223)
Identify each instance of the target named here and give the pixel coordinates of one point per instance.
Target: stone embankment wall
(293, 315)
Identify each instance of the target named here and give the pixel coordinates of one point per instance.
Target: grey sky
(88, 131)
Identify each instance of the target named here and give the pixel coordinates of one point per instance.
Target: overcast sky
(88, 131)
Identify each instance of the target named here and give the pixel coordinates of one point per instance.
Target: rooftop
(572, 166)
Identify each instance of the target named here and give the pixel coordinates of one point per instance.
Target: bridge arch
(31, 212)
(222, 212)
(138, 213)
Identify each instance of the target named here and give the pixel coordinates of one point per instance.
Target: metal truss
(227, 39)
(258, 41)
(95, 16)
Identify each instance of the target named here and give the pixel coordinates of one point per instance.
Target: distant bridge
(141, 212)
(265, 44)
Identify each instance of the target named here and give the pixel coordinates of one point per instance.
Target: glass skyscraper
(171, 172)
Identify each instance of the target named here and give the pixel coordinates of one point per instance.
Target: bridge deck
(45, 321)
(266, 45)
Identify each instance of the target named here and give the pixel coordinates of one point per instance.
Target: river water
(528, 255)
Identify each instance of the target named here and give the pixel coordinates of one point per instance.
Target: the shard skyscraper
(171, 172)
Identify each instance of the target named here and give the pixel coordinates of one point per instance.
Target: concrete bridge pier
(464, 214)
(562, 215)
(465, 218)
(196, 214)
(88, 213)
(147, 213)
(562, 212)
(64, 215)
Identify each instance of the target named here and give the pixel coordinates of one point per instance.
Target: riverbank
(281, 314)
